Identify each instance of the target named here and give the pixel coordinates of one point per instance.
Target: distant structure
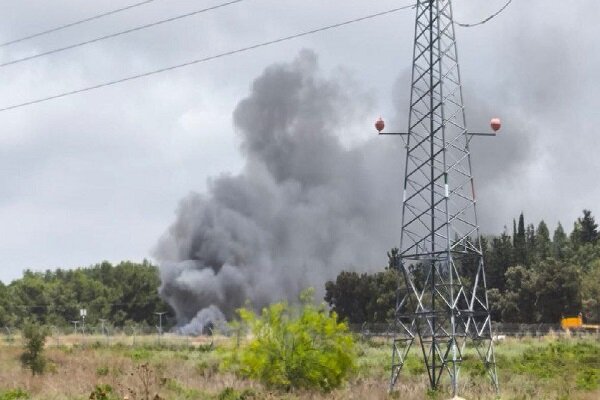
(442, 302)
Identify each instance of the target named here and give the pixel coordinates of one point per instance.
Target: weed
(207, 367)
(103, 392)
(14, 394)
(588, 379)
(231, 394)
(141, 354)
(182, 392)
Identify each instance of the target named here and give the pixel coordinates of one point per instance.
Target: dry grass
(191, 372)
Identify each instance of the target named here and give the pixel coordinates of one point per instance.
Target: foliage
(579, 360)
(358, 298)
(585, 229)
(14, 394)
(591, 292)
(231, 394)
(297, 347)
(103, 392)
(33, 355)
(124, 293)
(530, 277)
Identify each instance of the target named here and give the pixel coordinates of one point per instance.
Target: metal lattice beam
(443, 301)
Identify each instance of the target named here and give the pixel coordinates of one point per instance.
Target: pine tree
(560, 243)
(530, 244)
(589, 228)
(543, 244)
(520, 243)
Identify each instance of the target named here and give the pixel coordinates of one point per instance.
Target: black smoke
(304, 207)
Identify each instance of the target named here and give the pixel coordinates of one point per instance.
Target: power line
(494, 15)
(65, 26)
(206, 59)
(89, 305)
(112, 35)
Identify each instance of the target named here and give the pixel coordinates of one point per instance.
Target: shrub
(14, 394)
(231, 394)
(33, 356)
(297, 347)
(103, 392)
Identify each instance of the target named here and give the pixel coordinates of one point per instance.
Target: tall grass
(546, 368)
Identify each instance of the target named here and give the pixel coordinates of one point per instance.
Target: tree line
(532, 277)
(126, 293)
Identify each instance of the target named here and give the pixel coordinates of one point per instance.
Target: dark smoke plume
(304, 208)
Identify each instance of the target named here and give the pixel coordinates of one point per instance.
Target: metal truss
(442, 303)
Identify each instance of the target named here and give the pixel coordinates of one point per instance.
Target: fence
(129, 336)
(498, 329)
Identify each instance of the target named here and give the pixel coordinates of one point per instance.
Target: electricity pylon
(443, 301)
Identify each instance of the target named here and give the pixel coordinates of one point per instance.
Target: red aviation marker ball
(496, 124)
(379, 125)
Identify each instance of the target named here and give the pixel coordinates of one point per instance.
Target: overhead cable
(65, 26)
(205, 59)
(494, 15)
(112, 35)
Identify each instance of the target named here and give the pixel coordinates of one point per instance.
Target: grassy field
(547, 368)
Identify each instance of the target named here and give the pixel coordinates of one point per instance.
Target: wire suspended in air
(491, 17)
(65, 26)
(112, 35)
(206, 59)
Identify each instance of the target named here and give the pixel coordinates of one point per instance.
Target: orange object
(571, 322)
(496, 124)
(379, 125)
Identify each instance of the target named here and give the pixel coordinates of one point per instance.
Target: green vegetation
(540, 368)
(531, 278)
(103, 392)
(291, 347)
(14, 394)
(562, 361)
(33, 354)
(363, 297)
(126, 293)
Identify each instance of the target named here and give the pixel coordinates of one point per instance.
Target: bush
(103, 392)
(14, 394)
(303, 347)
(232, 394)
(33, 356)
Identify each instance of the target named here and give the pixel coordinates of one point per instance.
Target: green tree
(348, 296)
(557, 290)
(543, 245)
(591, 293)
(33, 355)
(124, 292)
(520, 243)
(302, 347)
(358, 298)
(587, 228)
(560, 243)
(518, 302)
(498, 259)
(542, 293)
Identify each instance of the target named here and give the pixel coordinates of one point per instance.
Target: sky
(99, 175)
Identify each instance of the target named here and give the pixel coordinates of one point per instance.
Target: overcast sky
(99, 175)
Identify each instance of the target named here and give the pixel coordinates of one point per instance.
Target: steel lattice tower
(443, 301)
